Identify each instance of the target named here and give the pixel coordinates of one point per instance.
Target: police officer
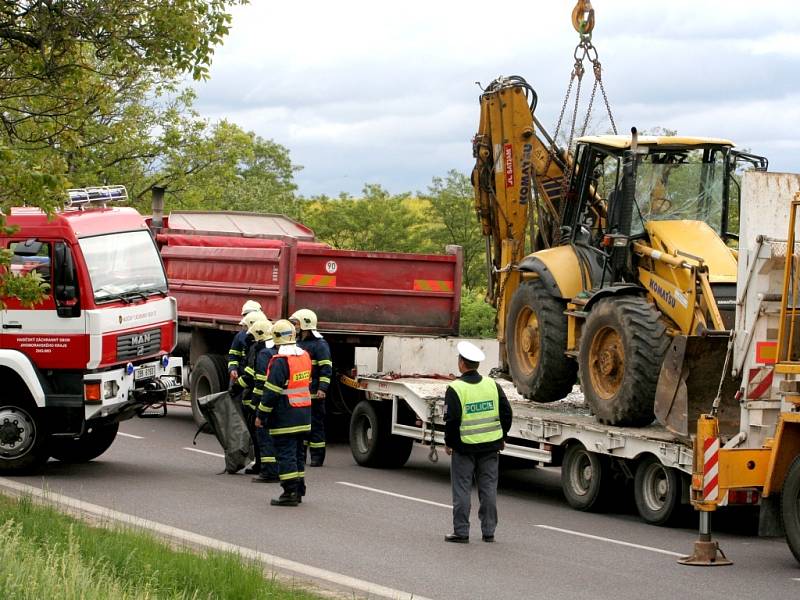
(311, 340)
(285, 410)
(238, 351)
(477, 419)
(253, 379)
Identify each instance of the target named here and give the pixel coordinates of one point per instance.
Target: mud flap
(688, 383)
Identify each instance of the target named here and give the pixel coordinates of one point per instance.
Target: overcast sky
(383, 92)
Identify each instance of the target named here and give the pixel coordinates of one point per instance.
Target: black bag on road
(225, 419)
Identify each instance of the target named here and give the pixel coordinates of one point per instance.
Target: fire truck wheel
(536, 339)
(657, 491)
(622, 346)
(371, 441)
(209, 376)
(89, 446)
(585, 478)
(790, 507)
(23, 441)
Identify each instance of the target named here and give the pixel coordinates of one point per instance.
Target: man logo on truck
(140, 340)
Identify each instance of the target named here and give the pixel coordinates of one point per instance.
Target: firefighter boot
(289, 497)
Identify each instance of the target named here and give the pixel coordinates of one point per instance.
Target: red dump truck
(215, 261)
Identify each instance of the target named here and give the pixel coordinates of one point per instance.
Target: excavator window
(682, 184)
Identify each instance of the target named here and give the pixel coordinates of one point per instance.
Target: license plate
(144, 373)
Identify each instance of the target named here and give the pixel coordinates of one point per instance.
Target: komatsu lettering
(525, 181)
(665, 295)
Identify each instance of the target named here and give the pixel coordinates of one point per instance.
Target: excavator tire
(536, 339)
(623, 343)
(790, 507)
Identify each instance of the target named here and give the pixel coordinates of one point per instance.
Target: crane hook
(583, 17)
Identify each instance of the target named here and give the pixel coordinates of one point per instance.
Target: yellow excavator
(610, 263)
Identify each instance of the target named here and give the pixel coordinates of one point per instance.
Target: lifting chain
(583, 22)
(433, 455)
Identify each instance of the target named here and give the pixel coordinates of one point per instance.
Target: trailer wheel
(790, 508)
(371, 441)
(657, 491)
(209, 376)
(536, 339)
(23, 440)
(623, 343)
(584, 478)
(87, 447)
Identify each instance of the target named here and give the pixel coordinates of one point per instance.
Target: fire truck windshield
(123, 266)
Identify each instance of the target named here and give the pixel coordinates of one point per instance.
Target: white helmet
(251, 318)
(306, 317)
(261, 330)
(250, 306)
(283, 332)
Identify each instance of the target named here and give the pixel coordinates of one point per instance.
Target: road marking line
(130, 435)
(275, 562)
(369, 489)
(612, 541)
(217, 454)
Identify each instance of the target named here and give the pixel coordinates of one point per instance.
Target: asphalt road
(390, 530)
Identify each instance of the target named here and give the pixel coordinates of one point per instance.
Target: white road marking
(612, 541)
(217, 454)
(275, 562)
(130, 435)
(369, 489)
(795, 578)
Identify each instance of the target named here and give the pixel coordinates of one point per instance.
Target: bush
(477, 316)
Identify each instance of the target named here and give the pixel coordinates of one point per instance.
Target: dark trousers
(263, 448)
(483, 469)
(316, 441)
(291, 462)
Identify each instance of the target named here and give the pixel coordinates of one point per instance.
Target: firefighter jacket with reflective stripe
(321, 363)
(286, 403)
(260, 376)
(247, 374)
(475, 398)
(238, 352)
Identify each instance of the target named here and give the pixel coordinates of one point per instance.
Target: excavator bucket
(689, 381)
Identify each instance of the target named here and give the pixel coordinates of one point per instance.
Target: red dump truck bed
(216, 261)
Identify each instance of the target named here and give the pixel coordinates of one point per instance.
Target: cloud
(384, 93)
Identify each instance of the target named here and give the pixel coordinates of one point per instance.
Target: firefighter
(242, 387)
(285, 410)
(252, 380)
(477, 419)
(238, 351)
(310, 340)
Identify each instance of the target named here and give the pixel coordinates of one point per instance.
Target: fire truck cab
(95, 350)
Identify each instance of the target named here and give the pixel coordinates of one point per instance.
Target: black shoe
(260, 479)
(315, 463)
(488, 538)
(253, 470)
(290, 499)
(456, 539)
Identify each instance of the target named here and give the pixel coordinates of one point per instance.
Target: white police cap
(470, 351)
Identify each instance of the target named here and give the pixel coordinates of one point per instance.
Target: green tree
(73, 73)
(379, 221)
(452, 220)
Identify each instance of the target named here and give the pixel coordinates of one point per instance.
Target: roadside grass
(47, 554)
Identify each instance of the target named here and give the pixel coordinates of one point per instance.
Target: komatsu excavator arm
(518, 180)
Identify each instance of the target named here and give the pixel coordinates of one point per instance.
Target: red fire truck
(96, 349)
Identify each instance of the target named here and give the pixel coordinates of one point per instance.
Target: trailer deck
(536, 428)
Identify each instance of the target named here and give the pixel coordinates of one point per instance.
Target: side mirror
(66, 292)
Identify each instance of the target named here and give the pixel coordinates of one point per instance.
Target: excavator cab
(671, 206)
